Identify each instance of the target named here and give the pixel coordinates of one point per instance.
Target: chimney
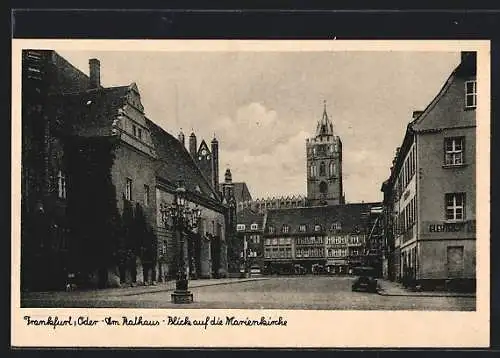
(192, 145)
(416, 114)
(95, 73)
(465, 54)
(181, 138)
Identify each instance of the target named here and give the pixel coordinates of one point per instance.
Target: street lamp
(184, 220)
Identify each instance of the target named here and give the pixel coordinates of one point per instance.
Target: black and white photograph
(246, 179)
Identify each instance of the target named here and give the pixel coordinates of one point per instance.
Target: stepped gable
(91, 112)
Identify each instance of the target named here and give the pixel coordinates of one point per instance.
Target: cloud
(262, 106)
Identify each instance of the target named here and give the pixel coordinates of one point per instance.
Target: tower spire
(325, 126)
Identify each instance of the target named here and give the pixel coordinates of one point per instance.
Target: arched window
(333, 169)
(322, 169)
(323, 187)
(330, 169)
(313, 170)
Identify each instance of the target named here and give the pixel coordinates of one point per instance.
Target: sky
(262, 106)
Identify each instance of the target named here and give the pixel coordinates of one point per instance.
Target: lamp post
(184, 220)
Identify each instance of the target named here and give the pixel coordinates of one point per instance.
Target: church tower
(324, 165)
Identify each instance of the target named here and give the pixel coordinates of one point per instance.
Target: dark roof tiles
(176, 163)
(350, 216)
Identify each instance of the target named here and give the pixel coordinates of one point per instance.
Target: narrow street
(305, 292)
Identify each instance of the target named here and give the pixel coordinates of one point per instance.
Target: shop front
(337, 267)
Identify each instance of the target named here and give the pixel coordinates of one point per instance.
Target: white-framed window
(336, 226)
(61, 185)
(302, 228)
(164, 247)
(454, 151)
(470, 94)
(146, 195)
(271, 229)
(128, 189)
(317, 227)
(254, 226)
(455, 206)
(240, 227)
(285, 229)
(275, 241)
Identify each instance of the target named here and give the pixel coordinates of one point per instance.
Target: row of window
(278, 204)
(254, 239)
(303, 228)
(275, 252)
(454, 149)
(332, 170)
(242, 227)
(336, 252)
(129, 191)
(62, 188)
(279, 241)
(346, 239)
(454, 211)
(406, 218)
(322, 149)
(286, 252)
(310, 252)
(310, 240)
(408, 171)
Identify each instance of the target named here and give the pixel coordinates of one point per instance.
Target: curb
(382, 293)
(204, 285)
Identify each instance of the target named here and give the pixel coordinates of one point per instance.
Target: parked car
(255, 269)
(365, 280)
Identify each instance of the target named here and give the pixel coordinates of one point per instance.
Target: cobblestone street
(306, 292)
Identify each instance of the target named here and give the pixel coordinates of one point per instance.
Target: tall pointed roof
(325, 126)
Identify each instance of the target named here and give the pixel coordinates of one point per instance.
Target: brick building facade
(95, 171)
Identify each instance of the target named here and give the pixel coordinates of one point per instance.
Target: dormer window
(254, 227)
(271, 229)
(470, 94)
(285, 229)
(302, 228)
(240, 227)
(317, 228)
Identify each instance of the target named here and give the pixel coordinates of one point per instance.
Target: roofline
(217, 196)
(438, 96)
(371, 203)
